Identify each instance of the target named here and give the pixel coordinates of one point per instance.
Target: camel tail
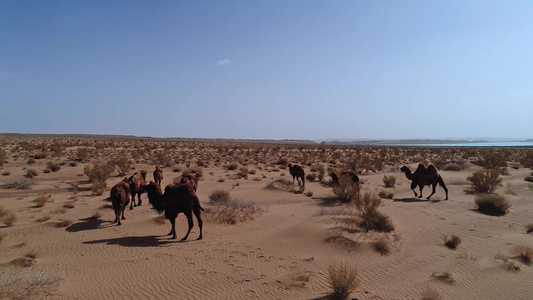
(201, 208)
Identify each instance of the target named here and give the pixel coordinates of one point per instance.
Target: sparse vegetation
(235, 211)
(30, 173)
(343, 281)
(41, 200)
(430, 294)
(8, 218)
(452, 241)
(381, 246)
(3, 157)
(523, 253)
(219, 197)
(389, 181)
(98, 174)
(529, 228)
(492, 204)
(371, 217)
(346, 190)
(485, 181)
(20, 184)
(30, 283)
(121, 163)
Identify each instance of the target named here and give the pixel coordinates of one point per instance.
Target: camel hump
(432, 169)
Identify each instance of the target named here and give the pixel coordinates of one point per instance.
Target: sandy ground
(282, 253)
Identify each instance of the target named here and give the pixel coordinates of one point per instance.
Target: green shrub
(485, 181)
(492, 204)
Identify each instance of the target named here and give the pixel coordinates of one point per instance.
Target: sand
(282, 252)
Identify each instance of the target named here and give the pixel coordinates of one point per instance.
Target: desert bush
(523, 253)
(31, 161)
(235, 211)
(529, 228)
(386, 195)
(485, 181)
(430, 294)
(82, 154)
(20, 184)
(98, 172)
(6, 173)
(452, 242)
(310, 177)
(232, 166)
(243, 172)
(527, 159)
(389, 181)
(30, 173)
(98, 187)
(492, 204)
(9, 218)
(321, 170)
(343, 281)
(346, 190)
(309, 194)
(64, 223)
(29, 283)
(3, 157)
(453, 167)
(381, 246)
(371, 217)
(219, 197)
(41, 200)
(529, 178)
(120, 163)
(493, 160)
(42, 219)
(53, 166)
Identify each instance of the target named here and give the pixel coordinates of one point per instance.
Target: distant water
(483, 144)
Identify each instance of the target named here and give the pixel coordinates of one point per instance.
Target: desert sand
(284, 247)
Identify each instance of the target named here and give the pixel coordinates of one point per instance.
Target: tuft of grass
(453, 167)
(343, 281)
(235, 211)
(30, 283)
(444, 276)
(430, 294)
(492, 204)
(523, 253)
(9, 218)
(381, 246)
(98, 187)
(219, 197)
(31, 173)
(346, 190)
(484, 181)
(529, 228)
(20, 184)
(371, 217)
(64, 223)
(452, 242)
(389, 181)
(386, 195)
(41, 200)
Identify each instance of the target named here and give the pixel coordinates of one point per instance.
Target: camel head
(405, 169)
(143, 173)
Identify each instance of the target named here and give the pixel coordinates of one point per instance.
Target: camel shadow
(87, 224)
(409, 200)
(134, 241)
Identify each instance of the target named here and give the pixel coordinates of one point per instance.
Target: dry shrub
(30, 283)
(389, 181)
(120, 163)
(452, 242)
(493, 160)
(382, 246)
(8, 218)
(243, 172)
(53, 167)
(20, 184)
(219, 197)
(529, 178)
(64, 223)
(430, 294)
(30, 173)
(6, 173)
(3, 157)
(485, 181)
(343, 280)
(98, 172)
(98, 187)
(492, 204)
(523, 253)
(346, 190)
(309, 194)
(453, 167)
(371, 218)
(444, 276)
(232, 166)
(40, 201)
(42, 219)
(235, 211)
(280, 184)
(386, 195)
(529, 228)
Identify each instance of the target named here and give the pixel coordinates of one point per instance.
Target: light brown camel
(353, 177)
(297, 173)
(158, 175)
(424, 176)
(191, 180)
(120, 197)
(137, 182)
(178, 198)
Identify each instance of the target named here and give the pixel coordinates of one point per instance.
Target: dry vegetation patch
(492, 204)
(342, 280)
(30, 283)
(523, 253)
(452, 241)
(430, 294)
(484, 181)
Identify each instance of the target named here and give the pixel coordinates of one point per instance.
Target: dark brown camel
(137, 182)
(353, 177)
(158, 175)
(425, 176)
(120, 197)
(297, 173)
(178, 198)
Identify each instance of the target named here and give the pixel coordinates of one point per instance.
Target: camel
(297, 173)
(158, 175)
(137, 182)
(120, 197)
(424, 176)
(177, 198)
(353, 177)
(191, 180)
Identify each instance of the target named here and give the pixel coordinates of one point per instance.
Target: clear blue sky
(268, 69)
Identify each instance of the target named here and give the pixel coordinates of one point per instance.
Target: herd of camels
(180, 197)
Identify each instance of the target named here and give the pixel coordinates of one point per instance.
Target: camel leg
(123, 209)
(139, 202)
(199, 219)
(189, 220)
(172, 228)
(421, 187)
(132, 202)
(433, 192)
(117, 214)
